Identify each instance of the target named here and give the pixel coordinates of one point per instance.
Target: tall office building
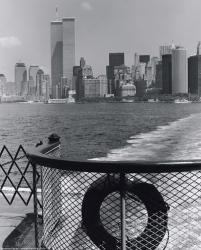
(144, 59)
(115, 59)
(62, 52)
(39, 83)
(78, 82)
(103, 85)
(179, 70)
(166, 50)
(3, 82)
(33, 70)
(20, 77)
(194, 75)
(158, 81)
(136, 59)
(167, 74)
(154, 62)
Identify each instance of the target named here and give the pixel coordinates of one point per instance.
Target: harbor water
(112, 131)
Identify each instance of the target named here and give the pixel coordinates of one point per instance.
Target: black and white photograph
(100, 125)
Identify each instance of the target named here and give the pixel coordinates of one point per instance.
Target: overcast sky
(102, 26)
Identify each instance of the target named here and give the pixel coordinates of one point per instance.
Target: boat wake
(179, 140)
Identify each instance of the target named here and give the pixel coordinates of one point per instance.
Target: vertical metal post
(35, 206)
(123, 211)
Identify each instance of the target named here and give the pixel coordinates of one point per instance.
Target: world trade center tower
(62, 52)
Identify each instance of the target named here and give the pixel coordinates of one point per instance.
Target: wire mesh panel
(83, 210)
(16, 180)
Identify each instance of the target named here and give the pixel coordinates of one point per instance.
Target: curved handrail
(112, 166)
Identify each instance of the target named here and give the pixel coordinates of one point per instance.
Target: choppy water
(112, 131)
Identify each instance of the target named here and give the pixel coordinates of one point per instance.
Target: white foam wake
(179, 140)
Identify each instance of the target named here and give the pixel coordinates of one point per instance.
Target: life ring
(157, 208)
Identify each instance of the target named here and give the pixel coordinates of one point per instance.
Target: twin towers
(62, 53)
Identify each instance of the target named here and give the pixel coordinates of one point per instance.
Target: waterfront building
(154, 62)
(140, 71)
(64, 87)
(46, 89)
(144, 59)
(103, 85)
(115, 59)
(167, 74)
(33, 70)
(158, 81)
(2, 84)
(179, 71)
(122, 76)
(9, 88)
(39, 83)
(62, 52)
(128, 89)
(141, 87)
(91, 87)
(21, 79)
(148, 74)
(78, 82)
(194, 74)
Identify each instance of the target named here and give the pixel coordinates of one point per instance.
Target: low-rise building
(128, 90)
(91, 87)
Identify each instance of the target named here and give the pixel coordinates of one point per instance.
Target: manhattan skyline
(101, 27)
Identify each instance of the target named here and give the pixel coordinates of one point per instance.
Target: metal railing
(119, 205)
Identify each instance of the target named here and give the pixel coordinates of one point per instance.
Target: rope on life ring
(157, 208)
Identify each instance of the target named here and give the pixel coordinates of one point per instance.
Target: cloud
(9, 42)
(87, 6)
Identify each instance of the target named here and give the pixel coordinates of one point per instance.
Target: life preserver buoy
(157, 209)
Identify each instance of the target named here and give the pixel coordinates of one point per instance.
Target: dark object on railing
(156, 227)
(39, 144)
(53, 138)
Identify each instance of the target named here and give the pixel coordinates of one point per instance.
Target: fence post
(35, 206)
(123, 211)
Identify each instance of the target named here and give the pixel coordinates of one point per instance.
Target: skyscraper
(62, 52)
(166, 50)
(115, 59)
(20, 77)
(179, 71)
(194, 74)
(167, 74)
(33, 69)
(78, 82)
(39, 83)
(144, 59)
(158, 81)
(3, 82)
